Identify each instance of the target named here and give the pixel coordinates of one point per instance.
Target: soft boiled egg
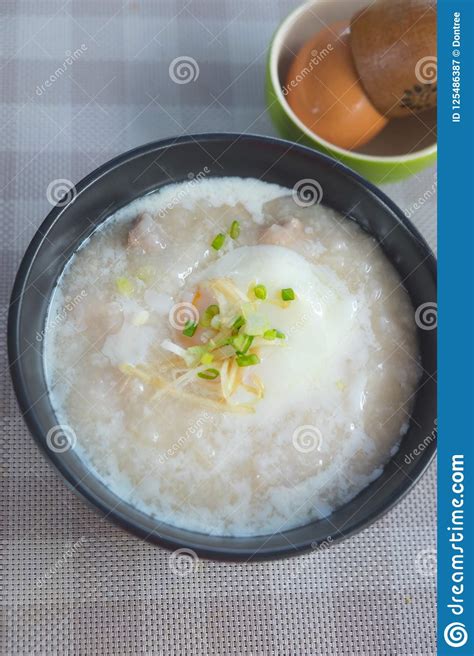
(319, 325)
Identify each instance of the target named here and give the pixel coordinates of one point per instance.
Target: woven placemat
(75, 584)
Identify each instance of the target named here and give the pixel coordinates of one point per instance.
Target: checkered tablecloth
(75, 584)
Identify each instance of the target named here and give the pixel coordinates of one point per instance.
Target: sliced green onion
(218, 241)
(238, 342)
(209, 374)
(207, 358)
(146, 274)
(242, 343)
(234, 231)
(270, 334)
(193, 355)
(124, 286)
(218, 343)
(189, 328)
(288, 294)
(238, 323)
(213, 310)
(273, 333)
(209, 314)
(260, 292)
(247, 360)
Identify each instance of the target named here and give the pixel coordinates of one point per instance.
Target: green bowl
(404, 147)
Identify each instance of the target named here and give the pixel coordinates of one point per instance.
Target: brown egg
(324, 91)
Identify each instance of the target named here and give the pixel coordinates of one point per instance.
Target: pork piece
(147, 234)
(288, 234)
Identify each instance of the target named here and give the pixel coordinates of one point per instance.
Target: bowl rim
(276, 46)
(80, 488)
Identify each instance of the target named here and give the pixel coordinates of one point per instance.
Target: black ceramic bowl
(144, 170)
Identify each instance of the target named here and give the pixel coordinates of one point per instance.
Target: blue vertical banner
(456, 327)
